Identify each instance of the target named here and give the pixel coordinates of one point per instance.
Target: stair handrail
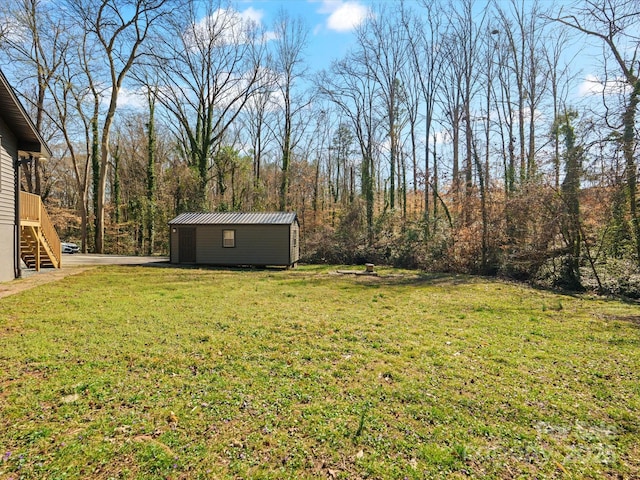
(50, 233)
(30, 207)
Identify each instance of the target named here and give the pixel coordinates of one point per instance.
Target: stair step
(35, 246)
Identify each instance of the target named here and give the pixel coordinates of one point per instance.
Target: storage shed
(233, 238)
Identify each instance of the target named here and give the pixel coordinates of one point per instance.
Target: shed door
(187, 245)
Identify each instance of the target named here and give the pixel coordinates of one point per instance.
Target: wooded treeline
(451, 137)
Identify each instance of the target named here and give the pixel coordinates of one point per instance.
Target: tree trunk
(105, 153)
(631, 168)
(151, 176)
(95, 169)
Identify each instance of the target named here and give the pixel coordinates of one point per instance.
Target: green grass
(132, 372)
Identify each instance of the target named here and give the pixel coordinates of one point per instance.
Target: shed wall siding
(173, 245)
(255, 245)
(8, 153)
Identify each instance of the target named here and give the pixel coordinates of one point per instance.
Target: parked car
(68, 247)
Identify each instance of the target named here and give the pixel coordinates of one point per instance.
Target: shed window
(228, 238)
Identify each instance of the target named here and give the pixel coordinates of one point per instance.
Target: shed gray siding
(173, 244)
(8, 153)
(274, 244)
(254, 245)
(294, 243)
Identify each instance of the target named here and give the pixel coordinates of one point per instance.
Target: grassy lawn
(133, 372)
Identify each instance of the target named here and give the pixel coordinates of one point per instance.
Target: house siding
(7, 253)
(8, 153)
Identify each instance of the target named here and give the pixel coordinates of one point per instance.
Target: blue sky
(330, 23)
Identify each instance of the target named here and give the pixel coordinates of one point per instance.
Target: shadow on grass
(634, 319)
(380, 278)
(387, 278)
(418, 279)
(328, 272)
(226, 268)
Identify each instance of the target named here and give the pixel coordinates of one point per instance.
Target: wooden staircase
(39, 242)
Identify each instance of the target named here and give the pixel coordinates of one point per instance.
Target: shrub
(620, 277)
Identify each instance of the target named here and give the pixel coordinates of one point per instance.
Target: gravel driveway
(94, 259)
(72, 265)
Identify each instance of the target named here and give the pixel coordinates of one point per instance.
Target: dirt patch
(39, 278)
(635, 319)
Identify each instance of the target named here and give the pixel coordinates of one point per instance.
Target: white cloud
(442, 137)
(344, 16)
(593, 85)
(225, 26)
(253, 15)
(127, 98)
(12, 31)
(131, 99)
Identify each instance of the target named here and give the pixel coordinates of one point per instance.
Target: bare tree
(616, 24)
(514, 56)
(36, 44)
(354, 92)
(559, 75)
(424, 41)
(119, 28)
(209, 66)
(72, 115)
(254, 120)
(464, 41)
(289, 67)
(520, 25)
(383, 52)
(506, 117)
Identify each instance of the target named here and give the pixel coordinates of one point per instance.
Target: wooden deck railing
(30, 206)
(33, 214)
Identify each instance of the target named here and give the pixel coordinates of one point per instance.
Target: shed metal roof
(235, 218)
(15, 116)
